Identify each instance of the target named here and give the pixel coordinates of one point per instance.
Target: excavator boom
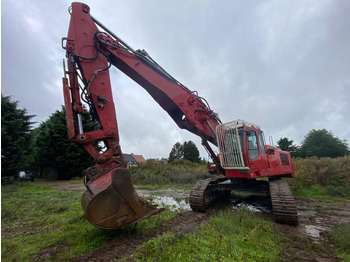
(110, 201)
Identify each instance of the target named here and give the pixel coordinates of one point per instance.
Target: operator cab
(243, 153)
(242, 149)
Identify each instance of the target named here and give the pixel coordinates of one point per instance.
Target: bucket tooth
(111, 201)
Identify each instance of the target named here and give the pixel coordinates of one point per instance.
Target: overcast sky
(284, 65)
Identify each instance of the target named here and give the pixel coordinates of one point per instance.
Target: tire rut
(123, 247)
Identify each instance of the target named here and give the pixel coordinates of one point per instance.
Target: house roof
(139, 159)
(129, 158)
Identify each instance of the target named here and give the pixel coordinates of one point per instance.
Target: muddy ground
(307, 242)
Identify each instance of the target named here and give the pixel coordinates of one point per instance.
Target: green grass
(176, 173)
(228, 236)
(39, 223)
(341, 241)
(314, 192)
(321, 177)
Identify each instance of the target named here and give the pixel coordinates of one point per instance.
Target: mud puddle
(252, 203)
(317, 217)
(315, 232)
(172, 203)
(179, 201)
(174, 200)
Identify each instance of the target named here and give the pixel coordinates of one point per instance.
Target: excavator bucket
(111, 201)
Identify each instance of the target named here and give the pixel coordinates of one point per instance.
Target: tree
(15, 137)
(187, 150)
(53, 149)
(287, 145)
(322, 143)
(191, 152)
(177, 152)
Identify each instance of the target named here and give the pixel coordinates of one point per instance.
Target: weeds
(228, 236)
(178, 172)
(322, 177)
(341, 239)
(38, 223)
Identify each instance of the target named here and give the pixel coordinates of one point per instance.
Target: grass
(176, 173)
(321, 177)
(228, 236)
(313, 192)
(39, 223)
(341, 241)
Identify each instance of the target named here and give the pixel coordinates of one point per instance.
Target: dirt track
(310, 240)
(300, 243)
(124, 247)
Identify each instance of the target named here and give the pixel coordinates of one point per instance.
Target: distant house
(134, 160)
(139, 159)
(129, 158)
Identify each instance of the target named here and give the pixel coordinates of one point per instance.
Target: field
(43, 221)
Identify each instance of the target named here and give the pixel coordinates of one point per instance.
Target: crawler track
(204, 194)
(283, 203)
(207, 192)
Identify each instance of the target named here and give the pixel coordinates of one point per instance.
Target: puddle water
(252, 203)
(178, 200)
(314, 232)
(172, 203)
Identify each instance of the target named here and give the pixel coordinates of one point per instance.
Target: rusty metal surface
(117, 204)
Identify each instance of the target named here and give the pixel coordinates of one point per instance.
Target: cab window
(252, 145)
(261, 142)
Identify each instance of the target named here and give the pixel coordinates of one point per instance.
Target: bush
(332, 174)
(178, 172)
(341, 241)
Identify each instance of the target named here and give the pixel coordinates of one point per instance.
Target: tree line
(47, 146)
(319, 143)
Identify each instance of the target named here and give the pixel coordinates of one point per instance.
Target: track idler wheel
(111, 201)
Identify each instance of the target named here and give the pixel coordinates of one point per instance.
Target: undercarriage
(206, 193)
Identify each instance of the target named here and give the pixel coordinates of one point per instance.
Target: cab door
(256, 152)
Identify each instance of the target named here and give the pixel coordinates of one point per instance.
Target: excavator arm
(110, 200)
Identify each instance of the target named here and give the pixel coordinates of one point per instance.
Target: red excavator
(110, 200)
